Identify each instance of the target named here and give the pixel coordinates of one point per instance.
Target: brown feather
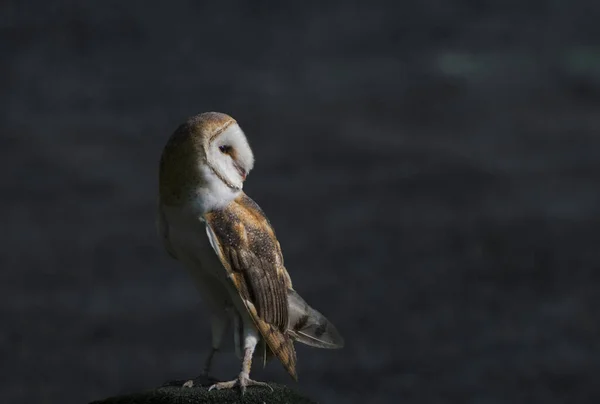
(254, 261)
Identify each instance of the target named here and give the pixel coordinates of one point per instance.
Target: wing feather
(246, 245)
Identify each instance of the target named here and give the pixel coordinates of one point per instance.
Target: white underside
(191, 245)
(215, 194)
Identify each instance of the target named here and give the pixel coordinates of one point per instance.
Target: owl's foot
(242, 381)
(203, 380)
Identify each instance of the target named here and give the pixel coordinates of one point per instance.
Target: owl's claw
(242, 381)
(202, 380)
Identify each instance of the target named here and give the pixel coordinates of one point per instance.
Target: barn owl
(225, 241)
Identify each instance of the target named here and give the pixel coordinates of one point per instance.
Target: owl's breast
(190, 245)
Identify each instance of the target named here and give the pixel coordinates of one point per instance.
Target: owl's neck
(213, 194)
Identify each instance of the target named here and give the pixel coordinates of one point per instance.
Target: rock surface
(172, 392)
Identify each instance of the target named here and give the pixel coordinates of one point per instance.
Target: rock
(172, 392)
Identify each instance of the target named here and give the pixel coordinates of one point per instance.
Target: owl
(226, 243)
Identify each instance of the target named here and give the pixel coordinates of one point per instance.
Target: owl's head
(208, 152)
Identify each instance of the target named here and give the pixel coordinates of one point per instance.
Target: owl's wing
(246, 244)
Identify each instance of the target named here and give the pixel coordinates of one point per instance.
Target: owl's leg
(243, 380)
(219, 324)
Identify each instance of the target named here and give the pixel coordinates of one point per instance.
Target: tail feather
(308, 326)
(264, 353)
(280, 345)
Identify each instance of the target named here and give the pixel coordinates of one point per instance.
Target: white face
(230, 156)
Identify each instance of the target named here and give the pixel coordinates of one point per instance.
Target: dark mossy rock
(172, 392)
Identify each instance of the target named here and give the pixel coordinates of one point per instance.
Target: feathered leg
(243, 380)
(219, 324)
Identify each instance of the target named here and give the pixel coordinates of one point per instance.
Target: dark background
(431, 168)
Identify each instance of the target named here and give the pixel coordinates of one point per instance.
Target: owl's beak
(242, 172)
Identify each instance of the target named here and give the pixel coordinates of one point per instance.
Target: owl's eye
(225, 149)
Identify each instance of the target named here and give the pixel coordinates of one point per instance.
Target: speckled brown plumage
(251, 254)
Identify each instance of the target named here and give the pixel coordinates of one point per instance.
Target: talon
(251, 382)
(202, 380)
(224, 385)
(242, 382)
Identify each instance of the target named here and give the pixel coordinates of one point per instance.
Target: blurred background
(431, 169)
